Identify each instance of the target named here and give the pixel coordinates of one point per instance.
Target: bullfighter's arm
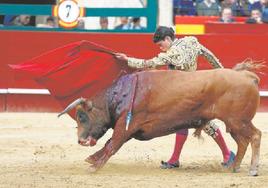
(162, 59)
(212, 59)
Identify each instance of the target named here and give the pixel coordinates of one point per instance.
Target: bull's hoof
(236, 169)
(90, 160)
(253, 173)
(92, 169)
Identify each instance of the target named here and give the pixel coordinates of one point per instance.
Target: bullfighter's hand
(121, 56)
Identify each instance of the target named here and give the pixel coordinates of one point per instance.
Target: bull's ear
(89, 105)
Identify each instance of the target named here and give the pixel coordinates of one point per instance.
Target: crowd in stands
(129, 24)
(255, 10)
(120, 23)
(27, 20)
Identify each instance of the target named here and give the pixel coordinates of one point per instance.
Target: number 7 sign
(68, 13)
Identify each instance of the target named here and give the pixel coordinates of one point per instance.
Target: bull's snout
(87, 142)
(81, 142)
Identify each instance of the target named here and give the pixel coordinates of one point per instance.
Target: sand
(40, 150)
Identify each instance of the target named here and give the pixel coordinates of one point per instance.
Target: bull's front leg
(94, 157)
(119, 137)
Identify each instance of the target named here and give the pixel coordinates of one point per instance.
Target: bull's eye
(82, 117)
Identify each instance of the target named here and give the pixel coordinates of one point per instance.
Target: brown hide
(166, 101)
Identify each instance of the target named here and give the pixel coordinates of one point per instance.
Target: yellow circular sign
(68, 12)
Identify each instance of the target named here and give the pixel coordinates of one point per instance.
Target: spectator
(239, 7)
(80, 24)
(136, 24)
(255, 18)
(9, 19)
(103, 23)
(252, 1)
(265, 15)
(208, 8)
(22, 20)
(50, 22)
(261, 5)
(226, 15)
(184, 7)
(124, 24)
(1, 20)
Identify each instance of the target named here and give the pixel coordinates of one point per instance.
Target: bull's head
(92, 122)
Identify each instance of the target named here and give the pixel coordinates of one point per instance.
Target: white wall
(165, 13)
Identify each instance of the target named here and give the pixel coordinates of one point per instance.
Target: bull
(162, 102)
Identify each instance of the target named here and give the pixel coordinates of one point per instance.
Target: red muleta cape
(80, 69)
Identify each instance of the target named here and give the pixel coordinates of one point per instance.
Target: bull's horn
(72, 105)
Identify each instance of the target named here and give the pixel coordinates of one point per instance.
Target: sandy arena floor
(40, 150)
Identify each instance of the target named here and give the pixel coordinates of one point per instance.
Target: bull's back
(174, 90)
(189, 92)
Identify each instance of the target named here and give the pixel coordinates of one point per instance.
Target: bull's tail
(250, 65)
(253, 67)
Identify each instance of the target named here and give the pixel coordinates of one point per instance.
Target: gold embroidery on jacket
(182, 54)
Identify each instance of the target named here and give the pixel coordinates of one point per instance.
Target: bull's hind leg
(242, 144)
(239, 131)
(245, 133)
(255, 145)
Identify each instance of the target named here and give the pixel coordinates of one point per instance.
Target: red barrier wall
(18, 46)
(2, 103)
(32, 103)
(236, 28)
(202, 19)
